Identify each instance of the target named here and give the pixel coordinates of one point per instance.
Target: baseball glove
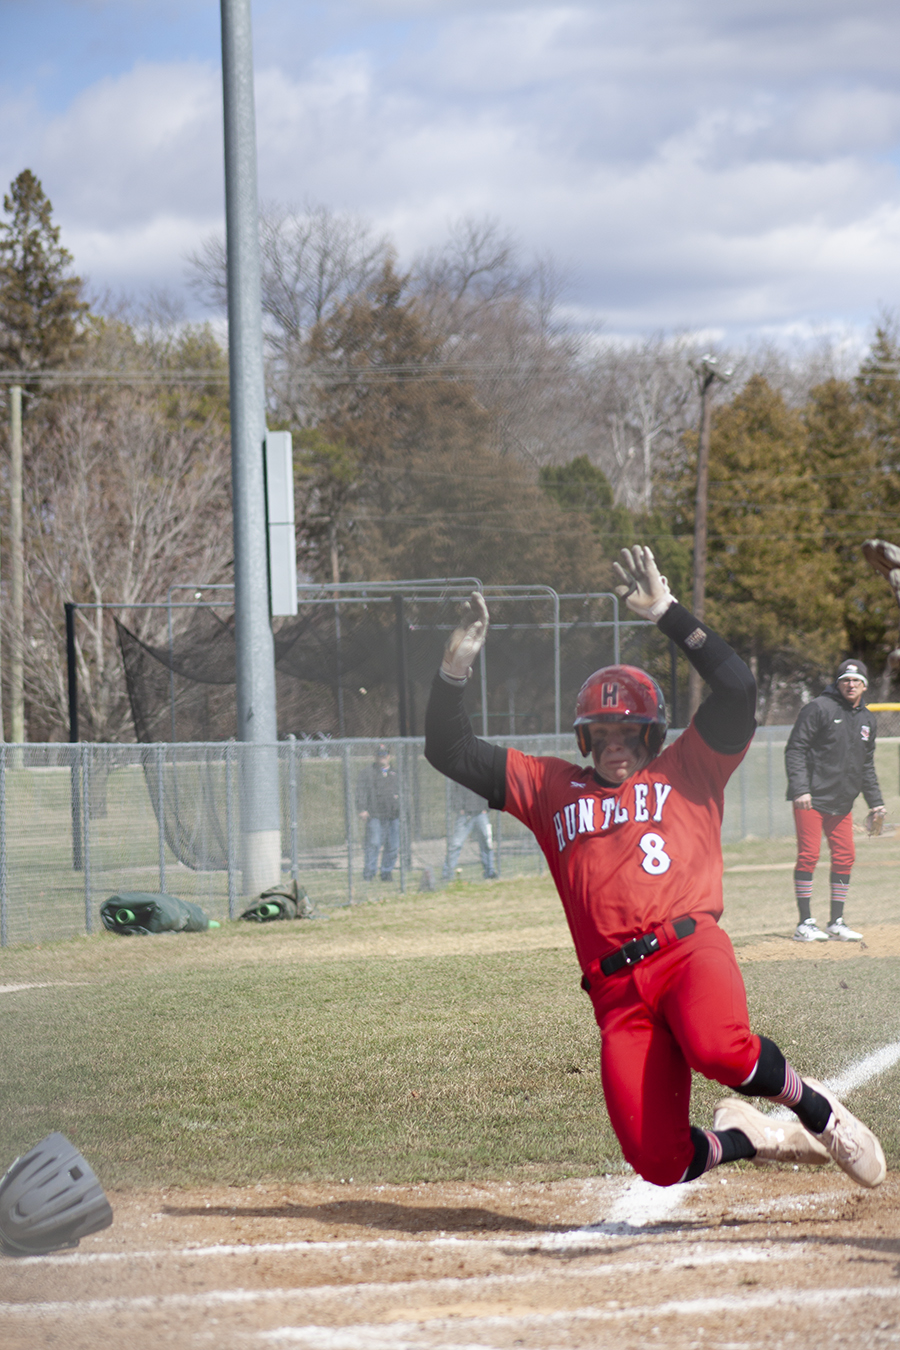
(884, 558)
(874, 821)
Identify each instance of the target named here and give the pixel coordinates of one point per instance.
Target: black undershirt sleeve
(453, 749)
(726, 719)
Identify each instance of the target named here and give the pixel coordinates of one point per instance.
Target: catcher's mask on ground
(621, 694)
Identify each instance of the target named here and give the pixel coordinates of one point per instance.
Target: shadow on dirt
(377, 1214)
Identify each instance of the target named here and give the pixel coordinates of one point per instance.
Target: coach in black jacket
(830, 759)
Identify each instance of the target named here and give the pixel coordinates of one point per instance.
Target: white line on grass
(867, 1068)
(857, 1074)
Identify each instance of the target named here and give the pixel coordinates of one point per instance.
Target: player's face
(617, 750)
(852, 688)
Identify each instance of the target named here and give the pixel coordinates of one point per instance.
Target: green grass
(426, 1037)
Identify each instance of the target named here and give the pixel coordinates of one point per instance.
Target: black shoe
(387, 876)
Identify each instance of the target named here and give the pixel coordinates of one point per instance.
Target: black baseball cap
(855, 668)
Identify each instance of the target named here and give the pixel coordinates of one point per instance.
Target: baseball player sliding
(634, 846)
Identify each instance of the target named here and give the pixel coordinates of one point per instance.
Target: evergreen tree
(41, 310)
(581, 486)
(874, 499)
(878, 390)
(771, 583)
(843, 454)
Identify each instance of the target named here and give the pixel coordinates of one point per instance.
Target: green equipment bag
(280, 902)
(142, 912)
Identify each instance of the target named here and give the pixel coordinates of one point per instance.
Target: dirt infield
(755, 1257)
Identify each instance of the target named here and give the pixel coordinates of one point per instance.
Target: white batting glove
(644, 591)
(466, 641)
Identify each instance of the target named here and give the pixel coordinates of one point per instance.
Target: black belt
(639, 948)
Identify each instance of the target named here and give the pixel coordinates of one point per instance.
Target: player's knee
(662, 1171)
(727, 1064)
(660, 1168)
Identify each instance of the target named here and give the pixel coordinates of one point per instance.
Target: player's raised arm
(451, 746)
(727, 718)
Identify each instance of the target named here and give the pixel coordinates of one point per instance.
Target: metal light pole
(256, 711)
(707, 373)
(17, 573)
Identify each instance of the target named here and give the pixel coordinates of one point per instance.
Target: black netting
(364, 668)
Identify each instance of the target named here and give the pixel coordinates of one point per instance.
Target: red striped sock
(792, 1091)
(714, 1156)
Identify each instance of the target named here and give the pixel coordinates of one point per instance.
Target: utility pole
(255, 649)
(336, 578)
(17, 572)
(707, 372)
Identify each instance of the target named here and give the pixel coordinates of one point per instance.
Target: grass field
(427, 1037)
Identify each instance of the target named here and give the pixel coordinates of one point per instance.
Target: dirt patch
(745, 1257)
(880, 941)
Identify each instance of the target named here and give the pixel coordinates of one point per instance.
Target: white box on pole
(280, 515)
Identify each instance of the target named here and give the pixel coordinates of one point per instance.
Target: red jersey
(625, 859)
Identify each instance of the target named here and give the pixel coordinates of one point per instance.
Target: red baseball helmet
(621, 694)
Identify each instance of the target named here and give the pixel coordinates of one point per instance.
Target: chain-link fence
(79, 823)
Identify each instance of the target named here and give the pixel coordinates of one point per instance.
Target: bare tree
(476, 270)
(313, 260)
(494, 316)
(639, 401)
(137, 499)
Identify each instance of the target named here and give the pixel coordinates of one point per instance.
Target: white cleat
(809, 931)
(774, 1140)
(852, 1144)
(839, 932)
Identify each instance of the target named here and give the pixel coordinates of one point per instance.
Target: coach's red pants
(839, 833)
(684, 1008)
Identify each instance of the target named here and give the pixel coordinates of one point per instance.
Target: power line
(309, 374)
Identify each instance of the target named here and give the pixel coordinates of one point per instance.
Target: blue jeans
(378, 833)
(465, 823)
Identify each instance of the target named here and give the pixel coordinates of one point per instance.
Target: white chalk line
(867, 1068)
(450, 1284)
(370, 1337)
(14, 988)
(538, 1240)
(643, 1204)
(854, 1077)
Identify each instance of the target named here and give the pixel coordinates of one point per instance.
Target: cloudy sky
(729, 168)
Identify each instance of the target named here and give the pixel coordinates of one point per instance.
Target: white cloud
(688, 165)
(139, 144)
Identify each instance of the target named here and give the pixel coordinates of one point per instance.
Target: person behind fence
(830, 759)
(378, 804)
(469, 814)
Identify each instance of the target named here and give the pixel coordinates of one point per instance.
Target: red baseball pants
(683, 1009)
(839, 833)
